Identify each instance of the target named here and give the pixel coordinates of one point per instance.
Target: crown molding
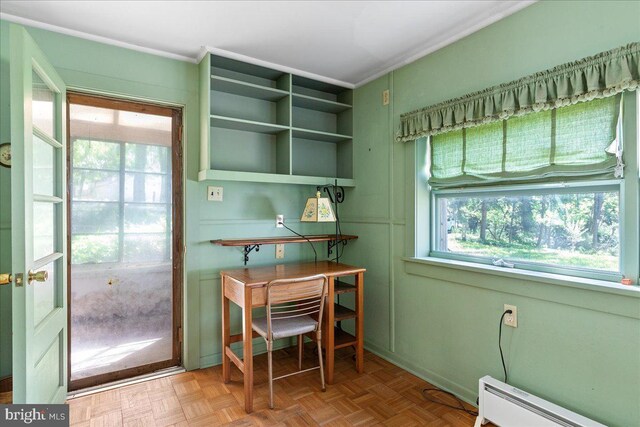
(92, 37)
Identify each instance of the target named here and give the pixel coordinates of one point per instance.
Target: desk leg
(226, 340)
(360, 322)
(247, 332)
(330, 330)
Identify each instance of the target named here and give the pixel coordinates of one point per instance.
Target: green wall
(577, 347)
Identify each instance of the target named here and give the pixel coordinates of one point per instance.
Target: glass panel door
(122, 293)
(38, 226)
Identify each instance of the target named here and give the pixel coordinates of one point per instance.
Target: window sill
(535, 276)
(575, 291)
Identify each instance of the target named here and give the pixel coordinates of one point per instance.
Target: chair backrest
(294, 298)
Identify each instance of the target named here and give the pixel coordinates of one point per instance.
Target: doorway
(125, 238)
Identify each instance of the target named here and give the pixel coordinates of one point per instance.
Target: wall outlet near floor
(279, 251)
(511, 319)
(214, 194)
(279, 220)
(385, 97)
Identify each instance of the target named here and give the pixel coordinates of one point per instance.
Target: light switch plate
(214, 194)
(385, 97)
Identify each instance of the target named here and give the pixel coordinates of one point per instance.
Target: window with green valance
(578, 140)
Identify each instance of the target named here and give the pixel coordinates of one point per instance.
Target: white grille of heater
(507, 406)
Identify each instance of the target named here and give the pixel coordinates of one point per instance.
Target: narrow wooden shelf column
(252, 243)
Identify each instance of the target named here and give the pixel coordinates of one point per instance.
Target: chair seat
(283, 328)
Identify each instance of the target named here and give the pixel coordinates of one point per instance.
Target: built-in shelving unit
(264, 125)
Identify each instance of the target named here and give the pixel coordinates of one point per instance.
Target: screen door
(125, 258)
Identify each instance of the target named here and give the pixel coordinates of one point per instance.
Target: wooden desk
(247, 288)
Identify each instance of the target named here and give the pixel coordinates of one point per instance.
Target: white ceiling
(344, 41)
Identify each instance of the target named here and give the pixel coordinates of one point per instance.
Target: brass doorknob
(38, 276)
(5, 278)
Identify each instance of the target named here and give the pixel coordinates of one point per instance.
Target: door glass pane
(43, 106)
(43, 235)
(43, 167)
(121, 268)
(44, 294)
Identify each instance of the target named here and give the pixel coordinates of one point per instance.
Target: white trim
(93, 37)
(267, 64)
(457, 34)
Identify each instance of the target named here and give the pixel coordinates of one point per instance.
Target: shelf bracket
(333, 243)
(247, 250)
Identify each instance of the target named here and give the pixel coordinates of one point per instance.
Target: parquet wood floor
(385, 395)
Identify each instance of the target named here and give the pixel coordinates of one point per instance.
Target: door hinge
(180, 334)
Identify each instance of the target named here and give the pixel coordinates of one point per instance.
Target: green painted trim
(271, 178)
(204, 86)
(584, 293)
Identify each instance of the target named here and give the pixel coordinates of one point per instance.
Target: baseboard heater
(507, 406)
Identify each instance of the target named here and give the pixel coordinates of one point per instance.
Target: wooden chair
(294, 308)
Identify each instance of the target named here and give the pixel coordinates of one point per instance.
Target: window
(540, 191)
(128, 187)
(576, 227)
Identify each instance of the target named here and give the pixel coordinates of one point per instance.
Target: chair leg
(321, 366)
(300, 351)
(270, 359)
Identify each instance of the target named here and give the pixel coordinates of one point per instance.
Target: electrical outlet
(511, 319)
(385, 97)
(280, 251)
(214, 194)
(279, 220)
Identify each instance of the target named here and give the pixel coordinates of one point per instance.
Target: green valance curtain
(575, 141)
(598, 76)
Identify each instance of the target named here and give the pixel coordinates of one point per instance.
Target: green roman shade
(600, 76)
(578, 140)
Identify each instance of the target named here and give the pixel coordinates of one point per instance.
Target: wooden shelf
(279, 240)
(252, 243)
(319, 104)
(340, 287)
(340, 312)
(238, 87)
(319, 135)
(246, 125)
(343, 339)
